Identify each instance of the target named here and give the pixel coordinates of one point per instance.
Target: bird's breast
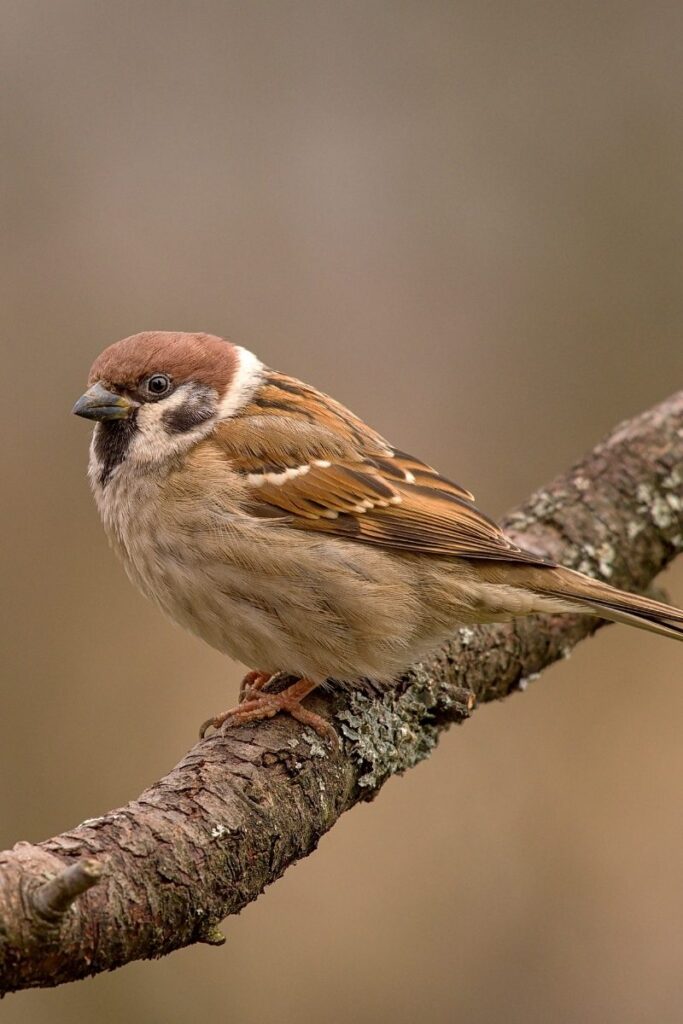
(272, 597)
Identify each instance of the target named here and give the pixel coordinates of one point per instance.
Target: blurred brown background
(480, 204)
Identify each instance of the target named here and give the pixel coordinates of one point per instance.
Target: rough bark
(204, 841)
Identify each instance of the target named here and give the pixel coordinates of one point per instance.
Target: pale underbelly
(318, 615)
(319, 608)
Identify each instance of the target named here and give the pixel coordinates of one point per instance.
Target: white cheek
(152, 438)
(153, 442)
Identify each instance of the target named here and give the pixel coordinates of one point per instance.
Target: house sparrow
(269, 520)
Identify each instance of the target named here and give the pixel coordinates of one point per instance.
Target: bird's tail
(582, 594)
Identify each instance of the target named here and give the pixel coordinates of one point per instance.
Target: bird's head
(155, 394)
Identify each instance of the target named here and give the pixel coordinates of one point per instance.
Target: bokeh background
(466, 221)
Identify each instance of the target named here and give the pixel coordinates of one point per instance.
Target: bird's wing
(304, 457)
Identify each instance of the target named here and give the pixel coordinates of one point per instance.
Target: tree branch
(241, 807)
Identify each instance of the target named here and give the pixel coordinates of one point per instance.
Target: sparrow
(272, 522)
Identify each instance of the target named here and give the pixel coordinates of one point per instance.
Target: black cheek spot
(192, 413)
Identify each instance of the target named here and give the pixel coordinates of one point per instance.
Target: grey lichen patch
(606, 555)
(674, 481)
(586, 560)
(549, 508)
(316, 746)
(387, 736)
(644, 494)
(664, 509)
(542, 505)
(466, 636)
(525, 680)
(596, 561)
(211, 935)
(634, 528)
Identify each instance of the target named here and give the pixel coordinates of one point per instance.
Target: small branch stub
(212, 936)
(51, 900)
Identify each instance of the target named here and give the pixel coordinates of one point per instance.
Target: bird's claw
(259, 706)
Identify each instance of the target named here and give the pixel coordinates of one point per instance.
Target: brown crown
(197, 357)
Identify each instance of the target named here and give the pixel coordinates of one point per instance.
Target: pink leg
(253, 681)
(260, 706)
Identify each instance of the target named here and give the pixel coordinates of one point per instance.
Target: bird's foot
(252, 683)
(259, 706)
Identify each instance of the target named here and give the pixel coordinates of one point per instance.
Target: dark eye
(157, 385)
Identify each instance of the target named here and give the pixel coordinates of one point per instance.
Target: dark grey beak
(99, 404)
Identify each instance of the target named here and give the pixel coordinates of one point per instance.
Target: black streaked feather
(283, 406)
(112, 441)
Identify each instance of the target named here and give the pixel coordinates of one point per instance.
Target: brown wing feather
(304, 455)
(429, 523)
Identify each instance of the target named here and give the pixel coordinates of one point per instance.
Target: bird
(269, 520)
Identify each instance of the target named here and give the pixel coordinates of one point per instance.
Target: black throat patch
(112, 441)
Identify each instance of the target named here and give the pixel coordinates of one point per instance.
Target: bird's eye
(157, 385)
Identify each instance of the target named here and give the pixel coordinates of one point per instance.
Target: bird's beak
(99, 404)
